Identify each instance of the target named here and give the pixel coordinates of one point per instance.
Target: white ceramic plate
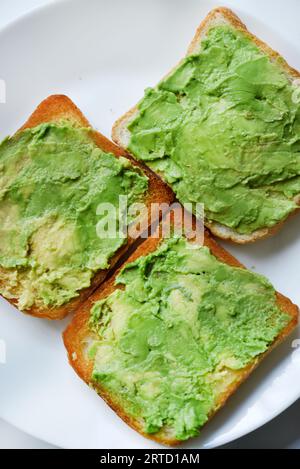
(103, 54)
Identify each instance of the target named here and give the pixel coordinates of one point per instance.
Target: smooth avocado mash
(175, 337)
(52, 179)
(223, 129)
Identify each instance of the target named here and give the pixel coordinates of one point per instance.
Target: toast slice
(81, 333)
(122, 135)
(59, 108)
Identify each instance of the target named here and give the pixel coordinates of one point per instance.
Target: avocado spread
(174, 336)
(52, 179)
(223, 129)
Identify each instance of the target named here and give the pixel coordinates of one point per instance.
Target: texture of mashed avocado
(52, 179)
(176, 336)
(224, 129)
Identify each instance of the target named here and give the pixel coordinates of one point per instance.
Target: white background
(284, 432)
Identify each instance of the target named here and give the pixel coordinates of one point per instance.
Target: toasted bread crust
(52, 109)
(221, 14)
(77, 333)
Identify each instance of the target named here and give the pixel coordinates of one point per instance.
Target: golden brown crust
(77, 332)
(236, 22)
(52, 109)
(217, 14)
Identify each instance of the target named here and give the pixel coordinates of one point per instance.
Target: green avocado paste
(174, 336)
(223, 129)
(52, 179)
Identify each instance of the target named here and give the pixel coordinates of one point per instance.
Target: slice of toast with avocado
(223, 128)
(54, 173)
(174, 332)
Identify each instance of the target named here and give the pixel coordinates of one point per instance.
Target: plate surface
(103, 54)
